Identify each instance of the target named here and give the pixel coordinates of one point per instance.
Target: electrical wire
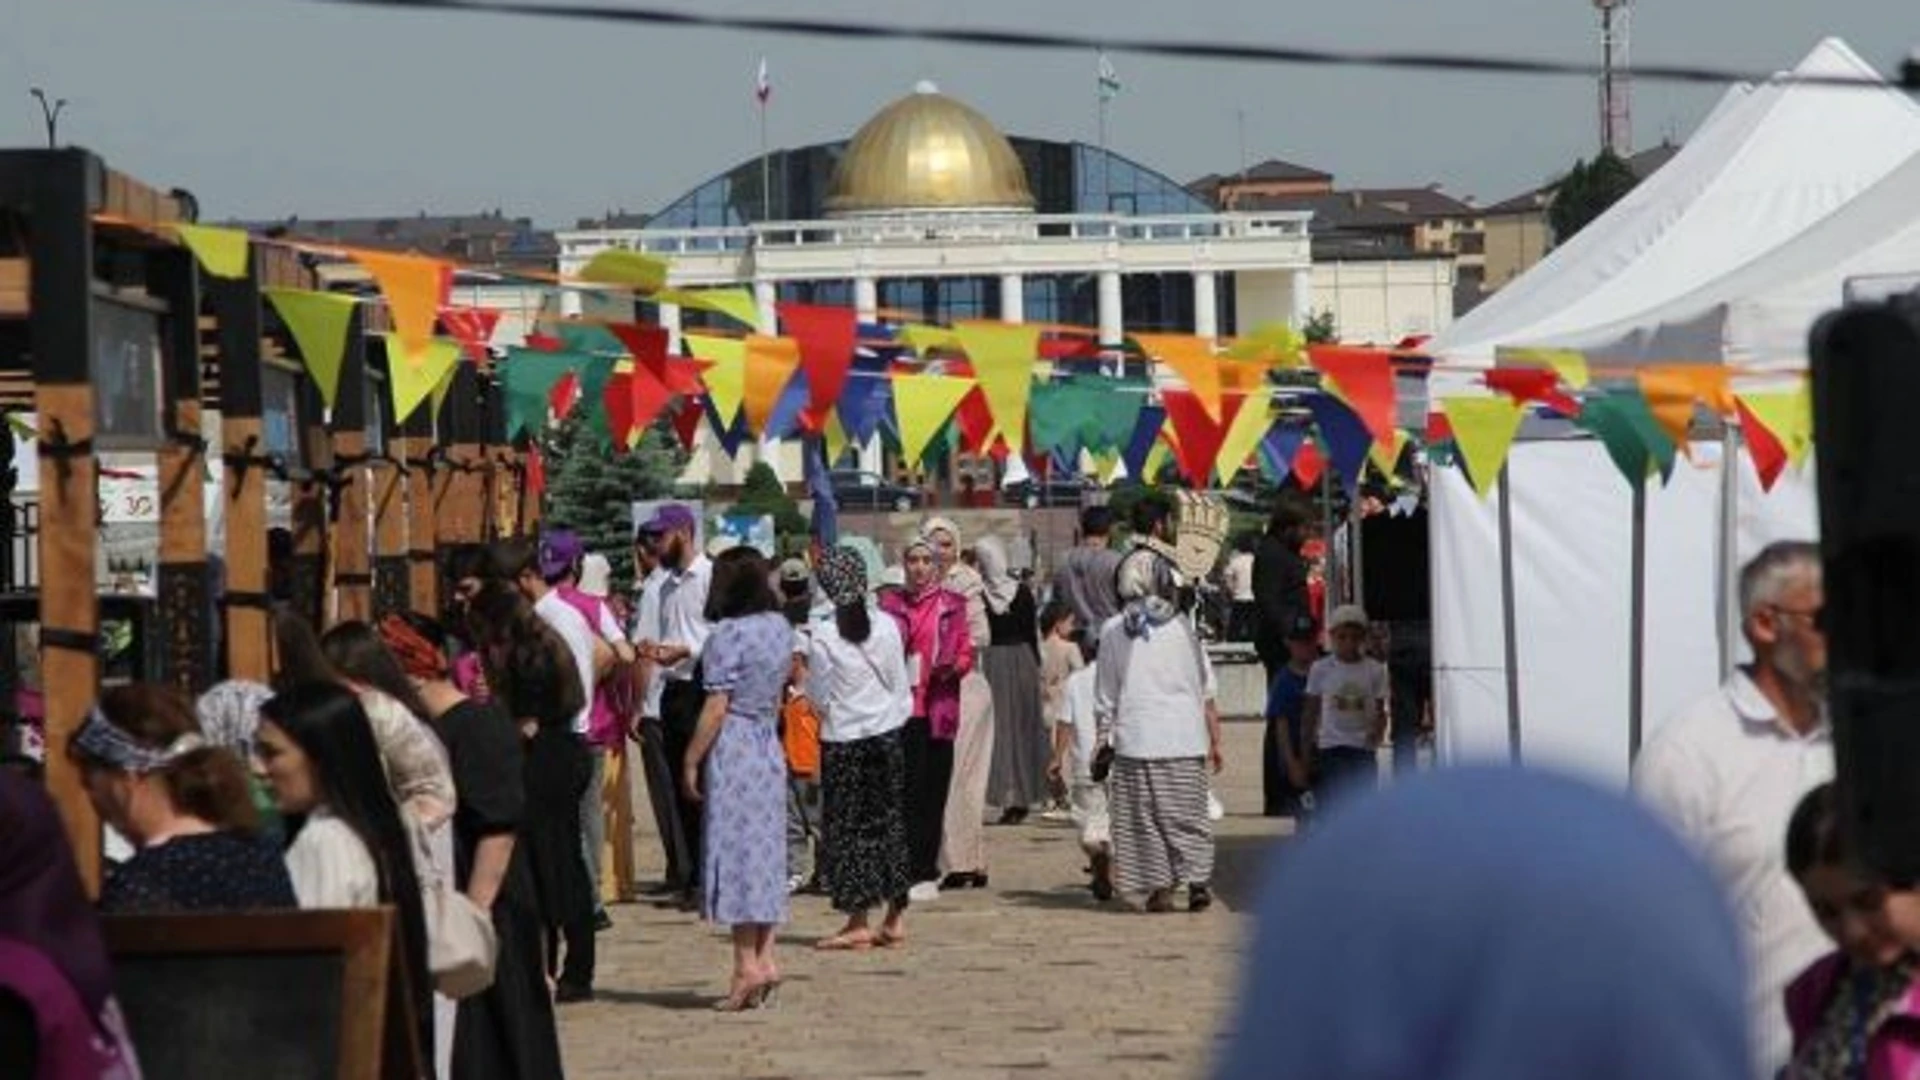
(1909, 77)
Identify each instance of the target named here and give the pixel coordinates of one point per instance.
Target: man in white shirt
(1728, 772)
(675, 647)
(654, 759)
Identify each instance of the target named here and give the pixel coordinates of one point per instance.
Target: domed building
(931, 213)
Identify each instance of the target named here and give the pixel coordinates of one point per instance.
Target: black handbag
(1102, 764)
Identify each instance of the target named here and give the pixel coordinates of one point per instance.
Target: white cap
(1347, 615)
(596, 575)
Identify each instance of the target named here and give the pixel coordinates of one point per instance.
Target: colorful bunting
(1277, 451)
(633, 269)
(1193, 359)
(1533, 384)
(1251, 420)
(1632, 437)
(1484, 429)
(1364, 380)
(686, 420)
(826, 336)
(1274, 343)
(222, 253)
(925, 339)
(1197, 447)
(564, 394)
(921, 404)
(1346, 437)
(865, 402)
(1789, 415)
(527, 376)
(412, 285)
(473, 328)
(771, 362)
(1146, 432)
(736, 304)
(1673, 392)
(1571, 366)
(319, 323)
(726, 377)
(1002, 356)
(647, 344)
(1386, 457)
(411, 377)
(1769, 455)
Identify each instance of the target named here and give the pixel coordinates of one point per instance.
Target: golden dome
(928, 151)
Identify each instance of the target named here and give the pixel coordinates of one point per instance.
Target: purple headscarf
(41, 898)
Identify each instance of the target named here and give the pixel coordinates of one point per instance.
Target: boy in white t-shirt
(1346, 706)
(1074, 744)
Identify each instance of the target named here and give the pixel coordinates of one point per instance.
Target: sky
(267, 108)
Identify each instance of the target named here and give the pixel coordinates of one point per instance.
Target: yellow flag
(222, 252)
(735, 304)
(1273, 343)
(411, 284)
(617, 266)
(1106, 465)
(1483, 429)
(923, 339)
(921, 404)
(1156, 460)
(1789, 415)
(1385, 457)
(1569, 364)
(1195, 362)
(836, 438)
(1003, 356)
(319, 323)
(771, 362)
(1243, 436)
(726, 375)
(411, 376)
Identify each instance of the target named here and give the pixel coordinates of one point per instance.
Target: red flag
(536, 472)
(647, 344)
(1438, 429)
(564, 394)
(1197, 435)
(545, 343)
(1364, 378)
(1533, 384)
(473, 328)
(686, 422)
(826, 336)
(1308, 464)
(1769, 455)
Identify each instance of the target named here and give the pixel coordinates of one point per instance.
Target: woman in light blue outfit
(744, 784)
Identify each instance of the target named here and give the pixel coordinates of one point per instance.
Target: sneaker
(796, 883)
(924, 891)
(1056, 813)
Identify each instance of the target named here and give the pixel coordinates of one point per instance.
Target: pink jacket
(1893, 1050)
(934, 626)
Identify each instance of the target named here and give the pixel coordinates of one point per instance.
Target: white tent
(1768, 164)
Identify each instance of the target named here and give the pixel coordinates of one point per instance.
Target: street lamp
(51, 113)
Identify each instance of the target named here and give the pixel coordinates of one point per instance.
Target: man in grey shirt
(1084, 577)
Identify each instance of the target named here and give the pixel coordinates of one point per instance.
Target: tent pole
(1730, 613)
(1507, 616)
(1637, 624)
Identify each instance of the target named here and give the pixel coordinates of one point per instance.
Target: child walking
(1346, 706)
(1059, 659)
(1074, 738)
(1289, 783)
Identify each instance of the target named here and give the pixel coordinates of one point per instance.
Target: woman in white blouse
(350, 847)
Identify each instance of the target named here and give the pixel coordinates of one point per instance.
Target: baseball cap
(1302, 628)
(560, 551)
(1347, 615)
(670, 518)
(794, 571)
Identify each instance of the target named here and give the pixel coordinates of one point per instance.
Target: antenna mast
(1616, 79)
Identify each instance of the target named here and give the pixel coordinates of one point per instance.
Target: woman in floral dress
(744, 783)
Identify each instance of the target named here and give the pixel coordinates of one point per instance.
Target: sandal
(859, 941)
(886, 940)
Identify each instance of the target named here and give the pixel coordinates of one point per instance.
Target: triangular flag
(1273, 343)
(1106, 466)
(1346, 436)
(1769, 455)
(618, 266)
(789, 417)
(1056, 414)
(473, 328)
(921, 404)
(726, 377)
(1002, 356)
(1277, 451)
(1630, 434)
(736, 304)
(1385, 457)
(1364, 380)
(319, 322)
(617, 399)
(1532, 384)
(686, 421)
(826, 336)
(1673, 392)
(860, 409)
(1199, 435)
(221, 252)
(1251, 420)
(771, 362)
(1309, 464)
(411, 377)
(1146, 432)
(924, 339)
(1483, 429)
(647, 344)
(411, 284)
(563, 395)
(1570, 365)
(526, 379)
(1789, 415)
(1192, 358)
(834, 436)
(536, 473)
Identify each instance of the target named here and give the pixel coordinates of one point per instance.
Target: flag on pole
(1109, 79)
(762, 84)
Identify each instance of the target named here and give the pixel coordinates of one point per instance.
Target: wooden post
(236, 306)
(460, 487)
(352, 561)
(60, 190)
(185, 622)
(390, 481)
(423, 579)
(312, 587)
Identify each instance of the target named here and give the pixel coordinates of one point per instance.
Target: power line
(1187, 50)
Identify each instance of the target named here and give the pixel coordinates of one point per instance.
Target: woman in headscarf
(1154, 710)
(963, 848)
(1011, 665)
(58, 1018)
(1492, 924)
(933, 622)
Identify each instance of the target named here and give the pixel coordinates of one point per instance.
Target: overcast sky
(265, 108)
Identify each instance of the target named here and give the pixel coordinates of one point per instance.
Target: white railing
(945, 228)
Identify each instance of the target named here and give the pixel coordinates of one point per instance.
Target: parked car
(857, 490)
(1061, 490)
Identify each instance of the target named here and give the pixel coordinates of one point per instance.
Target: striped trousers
(1161, 834)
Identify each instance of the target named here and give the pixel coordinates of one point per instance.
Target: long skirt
(963, 846)
(1022, 742)
(507, 1031)
(744, 845)
(863, 857)
(1161, 834)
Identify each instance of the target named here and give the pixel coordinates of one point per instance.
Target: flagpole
(1106, 163)
(766, 166)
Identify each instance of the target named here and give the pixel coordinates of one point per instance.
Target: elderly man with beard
(1729, 771)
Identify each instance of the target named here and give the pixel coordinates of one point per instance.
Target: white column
(1013, 298)
(1112, 331)
(670, 322)
(1302, 288)
(1206, 306)
(866, 299)
(570, 305)
(764, 297)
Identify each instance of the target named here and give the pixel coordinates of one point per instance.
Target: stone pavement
(1028, 978)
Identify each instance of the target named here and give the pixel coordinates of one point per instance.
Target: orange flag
(1673, 390)
(1364, 379)
(1192, 358)
(771, 362)
(412, 285)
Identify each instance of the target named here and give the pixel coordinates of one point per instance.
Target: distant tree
(763, 493)
(1320, 328)
(1586, 192)
(592, 488)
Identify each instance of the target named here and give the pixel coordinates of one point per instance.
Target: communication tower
(1616, 79)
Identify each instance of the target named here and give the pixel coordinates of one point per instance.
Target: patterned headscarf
(842, 574)
(418, 657)
(230, 714)
(100, 739)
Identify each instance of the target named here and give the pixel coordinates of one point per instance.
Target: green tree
(1320, 328)
(1586, 192)
(763, 493)
(591, 488)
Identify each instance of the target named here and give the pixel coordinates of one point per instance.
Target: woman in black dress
(183, 802)
(507, 1032)
(1022, 744)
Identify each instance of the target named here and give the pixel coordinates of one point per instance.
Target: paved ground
(1026, 979)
